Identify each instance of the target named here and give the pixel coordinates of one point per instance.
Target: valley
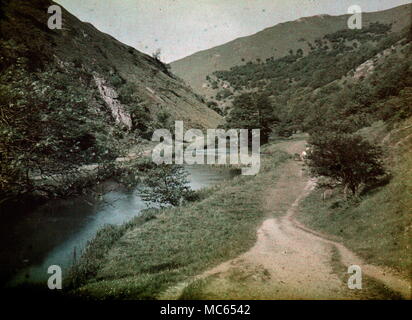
(99, 176)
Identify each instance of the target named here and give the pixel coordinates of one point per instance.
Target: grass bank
(141, 259)
(378, 225)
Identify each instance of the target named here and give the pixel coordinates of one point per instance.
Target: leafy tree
(142, 121)
(47, 127)
(164, 119)
(252, 111)
(167, 185)
(214, 85)
(397, 107)
(126, 93)
(116, 81)
(346, 159)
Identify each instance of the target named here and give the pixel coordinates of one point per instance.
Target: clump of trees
(47, 127)
(345, 159)
(339, 104)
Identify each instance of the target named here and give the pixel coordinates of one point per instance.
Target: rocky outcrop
(110, 97)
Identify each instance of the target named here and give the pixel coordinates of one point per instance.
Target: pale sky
(182, 27)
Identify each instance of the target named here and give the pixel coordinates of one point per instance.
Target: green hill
(275, 42)
(77, 96)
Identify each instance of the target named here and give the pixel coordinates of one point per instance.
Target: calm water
(52, 233)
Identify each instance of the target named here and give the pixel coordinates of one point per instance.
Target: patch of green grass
(143, 259)
(89, 263)
(377, 227)
(194, 291)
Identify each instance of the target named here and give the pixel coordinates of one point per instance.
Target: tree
(346, 159)
(252, 111)
(167, 184)
(142, 121)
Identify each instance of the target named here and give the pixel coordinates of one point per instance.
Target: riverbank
(163, 247)
(80, 179)
(57, 232)
(211, 250)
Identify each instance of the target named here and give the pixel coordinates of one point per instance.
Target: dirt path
(288, 261)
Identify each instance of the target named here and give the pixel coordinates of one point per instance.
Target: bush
(346, 159)
(116, 81)
(126, 93)
(167, 185)
(214, 106)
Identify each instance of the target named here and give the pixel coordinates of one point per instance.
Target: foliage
(215, 107)
(166, 185)
(223, 94)
(252, 111)
(47, 126)
(116, 81)
(313, 70)
(53, 118)
(315, 91)
(126, 93)
(346, 159)
(142, 121)
(378, 227)
(164, 119)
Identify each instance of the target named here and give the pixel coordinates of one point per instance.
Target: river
(56, 232)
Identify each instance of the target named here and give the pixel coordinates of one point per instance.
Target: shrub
(345, 159)
(167, 185)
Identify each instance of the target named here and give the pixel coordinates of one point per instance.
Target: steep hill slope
(76, 95)
(378, 226)
(275, 42)
(347, 80)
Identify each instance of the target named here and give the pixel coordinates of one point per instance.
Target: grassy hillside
(348, 80)
(378, 225)
(77, 96)
(275, 42)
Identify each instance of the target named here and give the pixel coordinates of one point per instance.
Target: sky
(182, 27)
